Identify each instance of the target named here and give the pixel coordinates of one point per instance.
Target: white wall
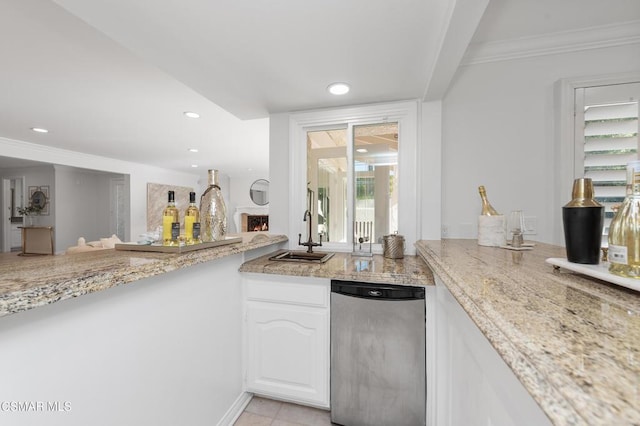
(430, 170)
(279, 176)
(493, 128)
(239, 195)
(82, 206)
(428, 185)
(139, 174)
(164, 350)
(78, 201)
(37, 176)
(92, 226)
(498, 131)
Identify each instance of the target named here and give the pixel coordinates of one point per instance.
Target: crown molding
(554, 43)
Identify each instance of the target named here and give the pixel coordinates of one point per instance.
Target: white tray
(600, 272)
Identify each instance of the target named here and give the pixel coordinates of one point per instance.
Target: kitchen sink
(302, 256)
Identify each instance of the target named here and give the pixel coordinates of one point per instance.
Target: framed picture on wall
(39, 196)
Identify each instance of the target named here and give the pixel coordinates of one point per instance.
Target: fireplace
(254, 223)
(242, 214)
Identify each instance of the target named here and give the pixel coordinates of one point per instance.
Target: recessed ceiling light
(194, 166)
(191, 114)
(338, 88)
(39, 130)
(193, 149)
(361, 150)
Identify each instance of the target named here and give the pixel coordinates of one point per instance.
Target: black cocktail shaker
(583, 219)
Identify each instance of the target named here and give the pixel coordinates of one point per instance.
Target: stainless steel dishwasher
(377, 354)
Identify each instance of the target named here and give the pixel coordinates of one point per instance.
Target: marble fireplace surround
(157, 201)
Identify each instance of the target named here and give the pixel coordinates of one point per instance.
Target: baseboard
(236, 409)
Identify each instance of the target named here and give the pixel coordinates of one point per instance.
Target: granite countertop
(411, 270)
(27, 282)
(573, 341)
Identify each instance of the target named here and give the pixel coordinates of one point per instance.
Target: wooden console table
(37, 239)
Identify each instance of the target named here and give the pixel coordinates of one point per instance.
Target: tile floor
(267, 412)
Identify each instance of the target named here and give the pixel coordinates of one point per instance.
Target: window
(374, 167)
(327, 183)
(355, 169)
(609, 139)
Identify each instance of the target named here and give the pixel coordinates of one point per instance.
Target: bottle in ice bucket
(491, 224)
(487, 208)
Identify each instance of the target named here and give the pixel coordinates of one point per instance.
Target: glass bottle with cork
(487, 208)
(171, 222)
(192, 222)
(491, 224)
(624, 230)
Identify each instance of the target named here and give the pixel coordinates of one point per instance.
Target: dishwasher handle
(377, 291)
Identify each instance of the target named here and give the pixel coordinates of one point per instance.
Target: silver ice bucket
(393, 246)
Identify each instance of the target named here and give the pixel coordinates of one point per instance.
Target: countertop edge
(90, 282)
(553, 403)
(263, 266)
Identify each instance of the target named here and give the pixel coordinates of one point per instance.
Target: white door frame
(5, 227)
(6, 216)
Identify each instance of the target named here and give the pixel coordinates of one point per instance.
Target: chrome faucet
(309, 243)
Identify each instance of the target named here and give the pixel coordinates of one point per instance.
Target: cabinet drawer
(286, 289)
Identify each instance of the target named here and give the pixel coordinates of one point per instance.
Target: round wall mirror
(38, 199)
(259, 192)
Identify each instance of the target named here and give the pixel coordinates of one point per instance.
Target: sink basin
(302, 256)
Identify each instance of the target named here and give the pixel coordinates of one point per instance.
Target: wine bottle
(624, 230)
(170, 222)
(213, 212)
(487, 208)
(192, 222)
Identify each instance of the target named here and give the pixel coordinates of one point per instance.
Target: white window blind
(610, 142)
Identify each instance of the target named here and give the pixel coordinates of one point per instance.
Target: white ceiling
(255, 57)
(95, 96)
(113, 77)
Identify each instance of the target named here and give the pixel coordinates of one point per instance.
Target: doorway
(13, 198)
(118, 207)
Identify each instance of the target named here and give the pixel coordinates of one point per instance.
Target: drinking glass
(515, 226)
(515, 223)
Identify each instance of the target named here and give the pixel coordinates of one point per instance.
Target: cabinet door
(288, 352)
(473, 384)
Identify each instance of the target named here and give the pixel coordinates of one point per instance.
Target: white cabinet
(287, 337)
(473, 384)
